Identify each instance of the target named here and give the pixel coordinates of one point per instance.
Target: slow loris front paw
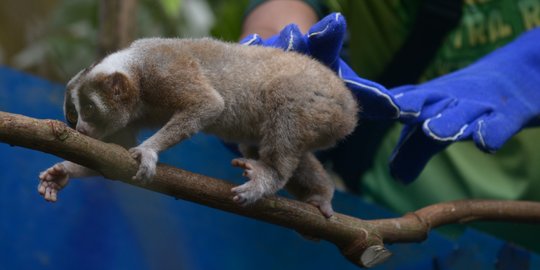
(51, 181)
(147, 163)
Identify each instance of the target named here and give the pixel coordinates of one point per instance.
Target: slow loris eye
(71, 117)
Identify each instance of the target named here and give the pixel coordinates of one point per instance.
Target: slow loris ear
(122, 89)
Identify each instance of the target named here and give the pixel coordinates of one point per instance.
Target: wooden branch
(361, 241)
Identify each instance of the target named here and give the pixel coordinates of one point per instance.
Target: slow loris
(278, 106)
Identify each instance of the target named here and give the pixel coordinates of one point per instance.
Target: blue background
(102, 224)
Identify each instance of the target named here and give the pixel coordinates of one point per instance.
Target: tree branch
(361, 241)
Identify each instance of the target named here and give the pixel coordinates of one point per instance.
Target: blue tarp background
(102, 224)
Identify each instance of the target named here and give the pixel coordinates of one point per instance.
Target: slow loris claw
(147, 164)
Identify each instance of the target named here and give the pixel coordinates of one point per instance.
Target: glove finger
(416, 106)
(290, 39)
(252, 39)
(493, 131)
(376, 101)
(412, 153)
(454, 123)
(326, 38)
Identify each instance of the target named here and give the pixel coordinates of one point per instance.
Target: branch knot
(366, 250)
(59, 129)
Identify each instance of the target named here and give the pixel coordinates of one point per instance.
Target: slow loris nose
(82, 130)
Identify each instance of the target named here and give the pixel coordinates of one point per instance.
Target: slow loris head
(98, 104)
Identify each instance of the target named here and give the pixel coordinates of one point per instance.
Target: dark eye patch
(89, 110)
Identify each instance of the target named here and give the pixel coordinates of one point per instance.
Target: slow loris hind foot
(262, 180)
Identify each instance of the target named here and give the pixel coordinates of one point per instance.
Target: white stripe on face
(98, 102)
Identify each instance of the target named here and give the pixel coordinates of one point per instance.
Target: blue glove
(488, 102)
(323, 42)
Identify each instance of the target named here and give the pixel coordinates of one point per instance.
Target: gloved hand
(323, 42)
(488, 102)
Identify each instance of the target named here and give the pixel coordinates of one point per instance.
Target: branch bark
(361, 241)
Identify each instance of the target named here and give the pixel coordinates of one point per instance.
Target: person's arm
(270, 17)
